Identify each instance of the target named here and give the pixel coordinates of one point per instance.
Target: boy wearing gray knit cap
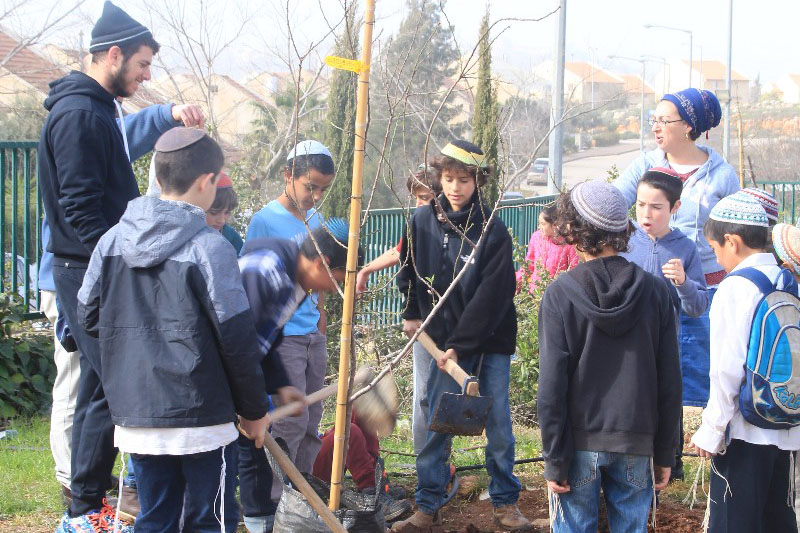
(609, 374)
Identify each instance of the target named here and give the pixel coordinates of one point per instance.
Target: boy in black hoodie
(476, 326)
(609, 374)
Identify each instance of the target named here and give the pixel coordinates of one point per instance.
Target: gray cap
(178, 139)
(601, 204)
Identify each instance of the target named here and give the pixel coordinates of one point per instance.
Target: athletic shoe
(97, 521)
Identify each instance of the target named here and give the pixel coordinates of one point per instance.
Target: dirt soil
(463, 516)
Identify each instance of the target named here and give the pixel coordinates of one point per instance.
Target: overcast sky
(765, 33)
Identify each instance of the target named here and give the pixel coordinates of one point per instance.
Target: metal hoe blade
(461, 414)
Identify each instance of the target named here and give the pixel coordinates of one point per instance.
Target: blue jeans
(173, 485)
(433, 462)
(627, 485)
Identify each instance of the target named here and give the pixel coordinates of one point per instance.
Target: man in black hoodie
(609, 374)
(86, 181)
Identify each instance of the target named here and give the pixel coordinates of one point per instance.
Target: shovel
(458, 414)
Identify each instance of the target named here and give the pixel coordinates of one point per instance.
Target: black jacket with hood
(479, 316)
(609, 372)
(178, 344)
(84, 173)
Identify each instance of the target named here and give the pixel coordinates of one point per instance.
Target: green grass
(27, 477)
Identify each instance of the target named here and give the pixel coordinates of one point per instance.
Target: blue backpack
(770, 395)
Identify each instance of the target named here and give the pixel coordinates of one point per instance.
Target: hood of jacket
(657, 158)
(474, 213)
(76, 84)
(609, 292)
(145, 244)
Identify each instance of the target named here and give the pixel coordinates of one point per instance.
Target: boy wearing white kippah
(293, 215)
(748, 436)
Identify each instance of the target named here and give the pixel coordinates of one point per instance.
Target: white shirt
(731, 315)
(174, 441)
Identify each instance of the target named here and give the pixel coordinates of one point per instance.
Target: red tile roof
(28, 65)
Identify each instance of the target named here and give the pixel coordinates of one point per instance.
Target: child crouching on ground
(751, 473)
(547, 252)
(609, 395)
(179, 354)
(477, 326)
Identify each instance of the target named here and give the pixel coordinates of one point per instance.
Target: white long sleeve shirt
(731, 315)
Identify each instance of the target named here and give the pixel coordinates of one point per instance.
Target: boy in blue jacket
(666, 252)
(179, 354)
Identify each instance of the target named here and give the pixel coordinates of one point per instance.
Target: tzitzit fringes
(554, 508)
(221, 495)
(119, 492)
(707, 514)
(699, 478)
(727, 485)
(653, 480)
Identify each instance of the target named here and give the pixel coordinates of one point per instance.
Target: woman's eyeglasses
(662, 122)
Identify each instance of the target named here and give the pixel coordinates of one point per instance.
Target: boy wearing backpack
(752, 423)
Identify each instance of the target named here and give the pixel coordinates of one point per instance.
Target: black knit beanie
(115, 28)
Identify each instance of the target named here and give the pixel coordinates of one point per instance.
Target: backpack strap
(758, 278)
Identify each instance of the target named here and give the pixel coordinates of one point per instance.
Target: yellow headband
(468, 158)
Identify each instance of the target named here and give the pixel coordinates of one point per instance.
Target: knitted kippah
(740, 208)
(115, 28)
(466, 152)
(339, 228)
(601, 204)
(308, 148)
(786, 241)
(224, 181)
(767, 201)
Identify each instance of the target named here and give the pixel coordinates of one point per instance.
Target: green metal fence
(20, 213)
(788, 196)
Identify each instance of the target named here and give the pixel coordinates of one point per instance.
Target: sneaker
(509, 518)
(129, 503)
(98, 521)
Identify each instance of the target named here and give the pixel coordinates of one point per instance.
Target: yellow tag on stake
(353, 65)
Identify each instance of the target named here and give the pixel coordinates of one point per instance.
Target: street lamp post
(648, 26)
(641, 60)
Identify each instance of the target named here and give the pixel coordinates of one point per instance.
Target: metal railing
(788, 195)
(20, 221)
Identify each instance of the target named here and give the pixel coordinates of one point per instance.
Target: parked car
(513, 196)
(537, 174)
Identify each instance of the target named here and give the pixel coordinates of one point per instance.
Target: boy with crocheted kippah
(477, 325)
(609, 375)
(750, 479)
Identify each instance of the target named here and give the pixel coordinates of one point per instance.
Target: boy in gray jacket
(178, 347)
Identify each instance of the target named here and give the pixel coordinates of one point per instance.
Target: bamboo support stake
(337, 470)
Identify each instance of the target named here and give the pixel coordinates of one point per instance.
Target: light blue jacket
(713, 181)
(143, 129)
(651, 255)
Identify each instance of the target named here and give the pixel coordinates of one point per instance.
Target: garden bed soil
(463, 516)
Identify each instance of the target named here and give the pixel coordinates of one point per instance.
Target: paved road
(591, 166)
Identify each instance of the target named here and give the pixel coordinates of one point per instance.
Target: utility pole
(556, 152)
(726, 134)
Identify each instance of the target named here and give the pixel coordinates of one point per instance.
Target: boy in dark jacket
(609, 375)
(476, 326)
(179, 356)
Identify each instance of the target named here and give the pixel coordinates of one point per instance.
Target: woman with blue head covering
(678, 121)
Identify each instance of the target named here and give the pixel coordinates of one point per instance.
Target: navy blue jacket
(84, 173)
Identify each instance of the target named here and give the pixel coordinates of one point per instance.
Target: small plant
(27, 370)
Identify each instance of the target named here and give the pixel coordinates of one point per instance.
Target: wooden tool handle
(284, 411)
(450, 366)
(302, 485)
